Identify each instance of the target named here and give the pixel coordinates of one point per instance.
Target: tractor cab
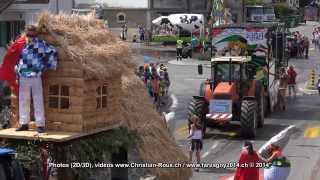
(229, 69)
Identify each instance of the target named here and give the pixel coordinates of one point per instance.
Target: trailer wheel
(248, 118)
(198, 107)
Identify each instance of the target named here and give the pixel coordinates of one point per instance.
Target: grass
(172, 39)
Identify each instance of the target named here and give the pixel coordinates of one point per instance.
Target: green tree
(253, 2)
(282, 9)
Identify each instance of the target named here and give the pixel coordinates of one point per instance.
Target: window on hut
(59, 97)
(101, 97)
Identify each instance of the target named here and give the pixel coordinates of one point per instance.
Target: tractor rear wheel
(198, 107)
(248, 118)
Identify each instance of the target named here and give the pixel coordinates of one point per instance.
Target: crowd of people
(299, 46)
(287, 81)
(156, 79)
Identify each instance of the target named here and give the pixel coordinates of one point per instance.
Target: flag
(7, 71)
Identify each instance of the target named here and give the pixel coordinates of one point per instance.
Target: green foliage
(253, 2)
(281, 9)
(170, 39)
(173, 39)
(93, 149)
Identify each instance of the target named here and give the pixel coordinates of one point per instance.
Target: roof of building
(4, 4)
(88, 43)
(233, 59)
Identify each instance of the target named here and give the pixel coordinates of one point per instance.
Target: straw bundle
(138, 114)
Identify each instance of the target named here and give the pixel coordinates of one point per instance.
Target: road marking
(182, 131)
(312, 132)
(175, 102)
(215, 144)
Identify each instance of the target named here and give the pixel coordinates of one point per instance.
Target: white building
(15, 14)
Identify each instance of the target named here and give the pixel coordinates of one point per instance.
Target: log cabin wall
(63, 95)
(101, 105)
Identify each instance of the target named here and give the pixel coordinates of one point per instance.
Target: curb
(186, 63)
(309, 92)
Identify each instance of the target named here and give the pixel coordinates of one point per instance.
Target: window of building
(101, 98)
(121, 17)
(59, 97)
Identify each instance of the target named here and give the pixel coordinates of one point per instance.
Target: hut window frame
(59, 97)
(102, 97)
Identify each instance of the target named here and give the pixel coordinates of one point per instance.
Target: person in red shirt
(247, 169)
(292, 75)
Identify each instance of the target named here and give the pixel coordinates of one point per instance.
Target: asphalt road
(224, 144)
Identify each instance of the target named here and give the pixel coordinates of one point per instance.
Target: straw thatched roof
(86, 42)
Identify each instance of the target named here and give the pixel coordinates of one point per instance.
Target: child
(196, 136)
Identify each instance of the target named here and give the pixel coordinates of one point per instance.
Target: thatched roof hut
(102, 89)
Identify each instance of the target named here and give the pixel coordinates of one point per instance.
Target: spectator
(306, 45)
(292, 75)
(195, 136)
(155, 80)
(141, 33)
(318, 84)
(283, 88)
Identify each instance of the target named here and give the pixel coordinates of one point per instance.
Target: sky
(118, 3)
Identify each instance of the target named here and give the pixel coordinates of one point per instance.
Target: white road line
(215, 144)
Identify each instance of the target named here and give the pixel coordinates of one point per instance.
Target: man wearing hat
(36, 56)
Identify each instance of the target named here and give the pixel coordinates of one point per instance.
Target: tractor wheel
(248, 118)
(261, 106)
(198, 107)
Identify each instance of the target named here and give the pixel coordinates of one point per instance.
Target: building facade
(15, 14)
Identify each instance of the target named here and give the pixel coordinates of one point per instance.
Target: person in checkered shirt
(36, 57)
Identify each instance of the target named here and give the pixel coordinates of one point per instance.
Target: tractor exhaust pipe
(230, 79)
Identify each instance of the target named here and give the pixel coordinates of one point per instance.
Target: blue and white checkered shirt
(36, 57)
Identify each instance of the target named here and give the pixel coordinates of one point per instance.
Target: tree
(253, 2)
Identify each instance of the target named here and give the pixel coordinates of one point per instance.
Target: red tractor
(231, 94)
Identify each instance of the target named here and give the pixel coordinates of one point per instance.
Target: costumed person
(7, 70)
(36, 57)
(272, 151)
(249, 158)
(280, 165)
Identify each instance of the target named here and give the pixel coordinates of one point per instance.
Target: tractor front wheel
(198, 107)
(248, 118)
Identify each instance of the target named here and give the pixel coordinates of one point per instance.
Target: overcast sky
(118, 3)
